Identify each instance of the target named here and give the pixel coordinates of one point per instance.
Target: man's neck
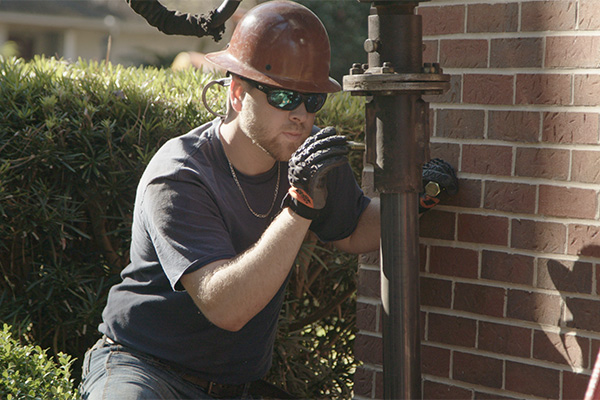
(242, 153)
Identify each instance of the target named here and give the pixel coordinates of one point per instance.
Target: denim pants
(112, 371)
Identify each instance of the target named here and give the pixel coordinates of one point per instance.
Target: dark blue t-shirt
(188, 213)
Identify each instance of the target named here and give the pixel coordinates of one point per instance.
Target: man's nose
(299, 114)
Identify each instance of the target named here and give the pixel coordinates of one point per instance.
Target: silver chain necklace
(237, 182)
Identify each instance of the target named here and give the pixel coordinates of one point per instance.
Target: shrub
(74, 140)
(26, 372)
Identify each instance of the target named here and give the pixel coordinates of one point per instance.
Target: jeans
(111, 371)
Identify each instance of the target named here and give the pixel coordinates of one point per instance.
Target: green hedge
(26, 372)
(74, 140)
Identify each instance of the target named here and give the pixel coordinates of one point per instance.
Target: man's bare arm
(231, 292)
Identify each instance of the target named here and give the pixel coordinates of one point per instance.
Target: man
(195, 315)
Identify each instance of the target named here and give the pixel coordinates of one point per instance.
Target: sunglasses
(288, 100)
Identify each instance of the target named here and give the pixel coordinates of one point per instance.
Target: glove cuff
(427, 202)
(299, 208)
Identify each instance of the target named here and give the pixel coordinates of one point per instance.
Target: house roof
(94, 9)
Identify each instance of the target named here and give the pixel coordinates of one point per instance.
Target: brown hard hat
(281, 44)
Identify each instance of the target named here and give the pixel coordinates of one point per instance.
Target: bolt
(387, 68)
(356, 69)
(371, 45)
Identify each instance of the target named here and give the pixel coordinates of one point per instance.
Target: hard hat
(281, 44)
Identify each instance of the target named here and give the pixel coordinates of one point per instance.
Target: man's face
(277, 132)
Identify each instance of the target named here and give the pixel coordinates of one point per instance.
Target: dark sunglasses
(288, 100)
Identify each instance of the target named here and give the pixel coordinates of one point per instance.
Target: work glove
(308, 168)
(438, 178)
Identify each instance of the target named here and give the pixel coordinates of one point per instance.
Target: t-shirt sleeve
(185, 227)
(345, 204)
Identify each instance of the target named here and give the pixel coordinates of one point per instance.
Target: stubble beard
(269, 139)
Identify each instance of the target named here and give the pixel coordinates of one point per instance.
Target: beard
(270, 139)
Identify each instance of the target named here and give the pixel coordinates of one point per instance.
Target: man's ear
(236, 93)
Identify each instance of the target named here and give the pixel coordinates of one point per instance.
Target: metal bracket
(384, 81)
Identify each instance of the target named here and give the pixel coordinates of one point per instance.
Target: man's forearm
(231, 292)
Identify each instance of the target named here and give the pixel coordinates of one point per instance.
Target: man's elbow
(225, 322)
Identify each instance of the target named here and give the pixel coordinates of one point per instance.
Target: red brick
(435, 361)
(574, 385)
(571, 202)
(465, 53)
(542, 163)
(483, 229)
(584, 314)
(586, 90)
(443, 20)
(514, 126)
(363, 382)
(595, 351)
(584, 240)
(516, 53)
(547, 89)
(368, 283)
(366, 316)
(453, 261)
(511, 197)
(469, 194)
(572, 51)
(560, 348)
(452, 95)
(545, 237)
(531, 379)
(477, 369)
(379, 385)
(437, 225)
(368, 349)
(504, 339)
(505, 267)
(488, 89)
(436, 292)
(548, 15)
(452, 330)
(446, 151)
(430, 51)
(535, 307)
(567, 127)
(462, 124)
(589, 15)
(440, 391)
(565, 276)
(586, 166)
(479, 299)
(487, 159)
(484, 18)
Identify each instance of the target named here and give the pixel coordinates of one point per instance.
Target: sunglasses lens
(284, 99)
(289, 100)
(314, 102)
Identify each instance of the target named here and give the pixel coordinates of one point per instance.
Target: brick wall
(510, 267)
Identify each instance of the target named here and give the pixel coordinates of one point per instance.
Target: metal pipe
(398, 178)
(399, 294)
(396, 143)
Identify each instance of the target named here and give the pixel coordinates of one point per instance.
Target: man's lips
(293, 134)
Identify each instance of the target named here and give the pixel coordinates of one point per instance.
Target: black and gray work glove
(438, 177)
(308, 168)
